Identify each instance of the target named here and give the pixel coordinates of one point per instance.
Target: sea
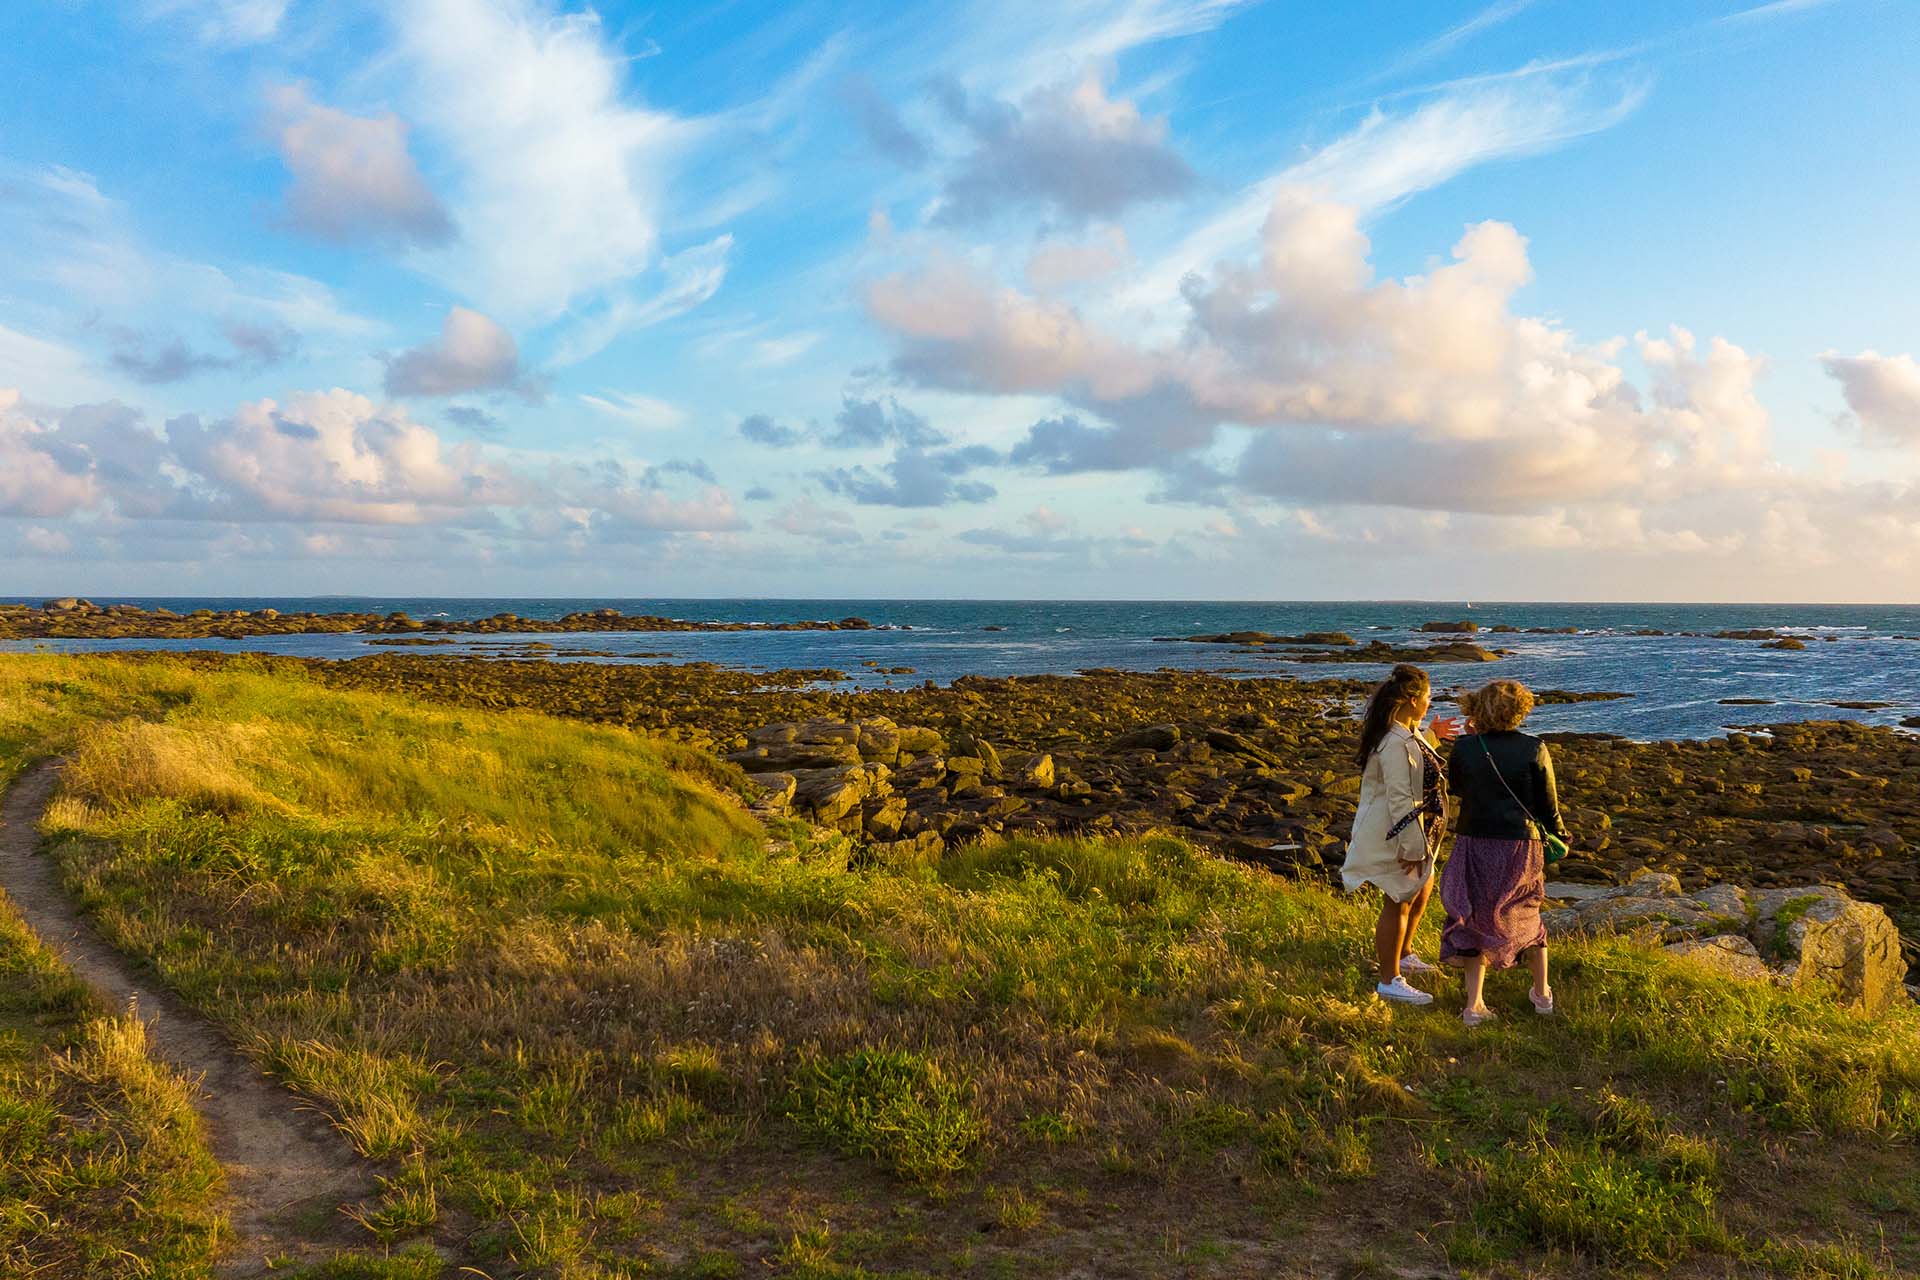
(1859, 654)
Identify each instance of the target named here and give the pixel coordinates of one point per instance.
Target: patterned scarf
(1433, 800)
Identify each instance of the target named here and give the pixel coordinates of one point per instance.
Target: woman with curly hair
(1403, 812)
(1495, 880)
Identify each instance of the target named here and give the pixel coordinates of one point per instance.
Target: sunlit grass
(592, 1017)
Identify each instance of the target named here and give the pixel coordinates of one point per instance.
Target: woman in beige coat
(1402, 816)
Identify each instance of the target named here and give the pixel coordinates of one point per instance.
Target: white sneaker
(1403, 991)
(1540, 1006)
(1412, 963)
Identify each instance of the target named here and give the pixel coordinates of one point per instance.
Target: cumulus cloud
(40, 474)
(338, 456)
(1055, 264)
(763, 430)
(60, 463)
(1071, 150)
(353, 176)
(1436, 371)
(1882, 391)
(916, 477)
(866, 424)
(472, 353)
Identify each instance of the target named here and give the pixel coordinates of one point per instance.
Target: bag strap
(1495, 766)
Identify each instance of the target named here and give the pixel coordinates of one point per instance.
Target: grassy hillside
(593, 1021)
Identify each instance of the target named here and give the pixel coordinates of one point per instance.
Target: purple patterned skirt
(1492, 891)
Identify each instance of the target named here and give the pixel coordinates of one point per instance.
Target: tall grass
(104, 1171)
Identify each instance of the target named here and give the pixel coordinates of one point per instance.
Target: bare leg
(1476, 978)
(1537, 966)
(1388, 937)
(1415, 909)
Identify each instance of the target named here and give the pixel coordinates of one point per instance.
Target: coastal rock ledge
(1806, 936)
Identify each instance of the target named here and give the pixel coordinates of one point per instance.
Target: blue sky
(1137, 298)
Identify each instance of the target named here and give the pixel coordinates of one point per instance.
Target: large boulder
(1811, 937)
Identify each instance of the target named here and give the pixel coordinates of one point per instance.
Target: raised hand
(1447, 728)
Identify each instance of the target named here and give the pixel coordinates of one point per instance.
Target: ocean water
(1854, 654)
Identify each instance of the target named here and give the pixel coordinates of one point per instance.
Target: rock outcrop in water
(70, 618)
(1814, 937)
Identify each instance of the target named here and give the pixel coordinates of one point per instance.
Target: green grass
(592, 1021)
(103, 1168)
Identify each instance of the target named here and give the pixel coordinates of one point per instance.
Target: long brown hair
(1401, 689)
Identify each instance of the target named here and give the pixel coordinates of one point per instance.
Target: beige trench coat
(1390, 789)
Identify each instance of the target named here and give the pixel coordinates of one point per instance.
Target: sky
(1139, 299)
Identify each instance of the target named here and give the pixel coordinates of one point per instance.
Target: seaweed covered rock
(1814, 937)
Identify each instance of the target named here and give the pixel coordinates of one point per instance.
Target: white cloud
(1882, 391)
(225, 22)
(54, 370)
(1056, 264)
(71, 241)
(805, 518)
(39, 474)
(1440, 395)
(560, 173)
(47, 542)
(353, 177)
(472, 353)
(337, 456)
(1018, 45)
(689, 278)
(1388, 157)
(1069, 149)
(645, 412)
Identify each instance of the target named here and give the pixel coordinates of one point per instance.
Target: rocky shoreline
(76, 619)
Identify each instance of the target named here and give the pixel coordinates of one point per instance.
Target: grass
(103, 1169)
(593, 1021)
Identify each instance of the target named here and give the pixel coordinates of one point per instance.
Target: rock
(776, 791)
(1785, 642)
(882, 816)
(789, 756)
(827, 731)
(1155, 737)
(1827, 939)
(1456, 628)
(65, 604)
(879, 740)
(920, 741)
(1811, 937)
(1730, 953)
(828, 795)
(1034, 771)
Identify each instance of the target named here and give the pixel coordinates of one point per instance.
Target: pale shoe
(1401, 990)
(1540, 1006)
(1474, 1017)
(1414, 964)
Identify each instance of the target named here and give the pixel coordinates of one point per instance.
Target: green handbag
(1553, 846)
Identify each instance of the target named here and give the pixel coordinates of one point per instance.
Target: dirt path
(288, 1170)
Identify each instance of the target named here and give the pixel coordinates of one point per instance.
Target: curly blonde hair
(1499, 706)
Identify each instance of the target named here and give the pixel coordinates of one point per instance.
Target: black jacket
(1486, 809)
